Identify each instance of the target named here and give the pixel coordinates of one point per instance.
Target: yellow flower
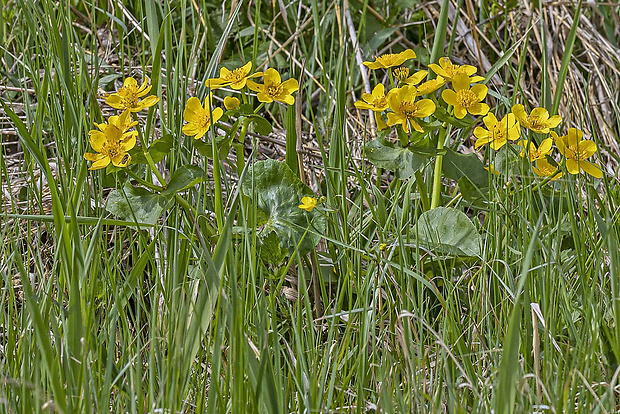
(128, 96)
(199, 118)
(375, 101)
(498, 133)
(112, 142)
(391, 59)
(533, 152)
(230, 102)
(465, 99)
(431, 86)
(308, 203)
(576, 150)
(544, 168)
(235, 78)
(274, 89)
(537, 121)
(402, 74)
(405, 109)
(449, 70)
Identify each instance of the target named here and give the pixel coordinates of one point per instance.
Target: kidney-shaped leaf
(402, 162)
(278, 193)
(184, 177)
(136, 204)
(447, 231)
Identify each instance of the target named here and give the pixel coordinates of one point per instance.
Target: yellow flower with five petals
(112, 142)
(236, 78)
(466, 99)
(448, 70)
(128, 96)
(576, 151)
(273, 89)
(405, 109)
(497, 132)
(544, 168)
(375, 101)
(431, 86)
(533, 152)
(538, 120)
(199, 119)
(308, 203)
(391, 59)
(403, 76)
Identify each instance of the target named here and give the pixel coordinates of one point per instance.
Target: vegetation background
(98, 316)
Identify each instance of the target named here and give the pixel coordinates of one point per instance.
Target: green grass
(184, 316)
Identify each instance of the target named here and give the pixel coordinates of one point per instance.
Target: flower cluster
(466, 96)
(200, 117)
(113, 141)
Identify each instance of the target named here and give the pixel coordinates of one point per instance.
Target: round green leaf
(278, 193)
(447, 231)
(136, 204)
(401, 161)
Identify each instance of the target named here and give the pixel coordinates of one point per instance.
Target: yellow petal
(216, 114)
(480, 91)
(149, 101)
(247, 68)
(461, 82)
(587, 148)
(287, 99)
(121, 160)
(290, 86)
(97, 140)
(425, 108)
(460, 112)
(263, 97)
(93, 157)
(101, 163)
(545, 146)
(130, 83)
(256, 87)
(554, 121)
(193, 108)
(572, 166)
(231, 102)
(272, 76)
(449, 96)
(591, 169)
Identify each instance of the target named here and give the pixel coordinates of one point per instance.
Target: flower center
(274, 89)
(466, 98)
(111, 148)
(401, 74)
(203, 119)
(236, 75)
(379, 102)
(409, 109)
(129, 96)
(387, 59)
(498, 132)
(536, 123)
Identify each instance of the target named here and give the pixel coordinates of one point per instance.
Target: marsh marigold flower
(466, 99)
(230, 102)
(431, 86)
(538, 121)
(403, 76)
(576, 151)
(448, 70)
(128, 96)
(391, 59)
(199, 118)
(529, 149)
(274, 89)
(406, 109)
(497, 132)
(308, 203)
(236, 78)
(544, 168)
(112, 142)
(375, 101)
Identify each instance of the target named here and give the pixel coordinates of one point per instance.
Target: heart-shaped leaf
(136, 204)
(184, 177)
(278, 193)
(447, 231)
(401, 161)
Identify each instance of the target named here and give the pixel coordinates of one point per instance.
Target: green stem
(436, 198)
(419, 180)
(144, 182)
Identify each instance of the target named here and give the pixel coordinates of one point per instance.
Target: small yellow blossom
(112, 142)
(391, 59)
(128, 96)
(274, 89)
(544, 168)
(449, 70)
(406, 109)
(533, 152)
(466, 99)
(403, 76)
(383, 246)
(576, 150)
(431, 86)
(308, 203)
(199, 118)
(235, 78)
(537, 121)
(375, 101)
(230, 102)
(498, 133)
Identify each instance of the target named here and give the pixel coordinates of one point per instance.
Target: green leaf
(447, 231)
(160, 148)
(278, 193)
(137, 155)
(473, 193)
(506, 162)
(184, 177)
(270, 249)
(456, 165)
(135, 204)
(261, 125)
(401, 161)
(206, 149)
